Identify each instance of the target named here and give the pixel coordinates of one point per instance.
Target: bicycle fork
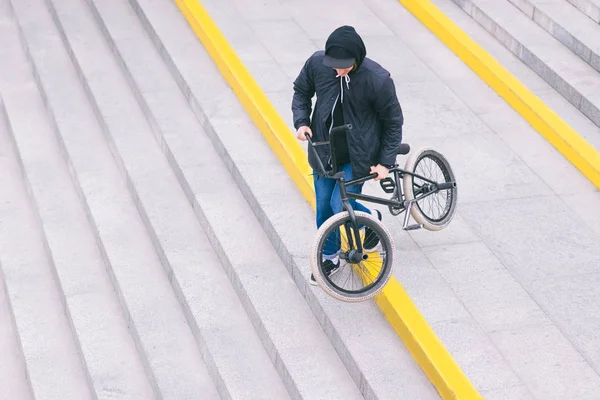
(354, 242)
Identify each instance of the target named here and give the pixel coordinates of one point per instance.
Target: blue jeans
(329, 202)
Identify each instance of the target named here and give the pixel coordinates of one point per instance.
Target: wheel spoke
(439, 204)
(363, 276)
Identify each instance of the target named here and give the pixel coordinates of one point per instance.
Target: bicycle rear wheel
(435, 210)
(356, 279)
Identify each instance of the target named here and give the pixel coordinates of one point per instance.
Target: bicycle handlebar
(349, 183)
(312, 144)
(340, 128)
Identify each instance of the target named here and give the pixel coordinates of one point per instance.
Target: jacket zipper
(332, 110)
(329, 164)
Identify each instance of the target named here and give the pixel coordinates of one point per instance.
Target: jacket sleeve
(390, 115)
(304, 90)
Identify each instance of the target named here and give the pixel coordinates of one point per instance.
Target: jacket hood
(345, 37)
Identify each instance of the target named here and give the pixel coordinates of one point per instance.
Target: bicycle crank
(394, 210)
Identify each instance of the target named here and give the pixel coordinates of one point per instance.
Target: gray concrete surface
(381, 369)
(239, 360)
(273, 313)
(507, 287)
(498, 160)
(116, 166)
(567, 24)
(16, 384)
(496, 114)
(554, 171)
(572, 77)
(49, 348)
(590, 8)
(574, 220)
(153, 313)
(91, 305)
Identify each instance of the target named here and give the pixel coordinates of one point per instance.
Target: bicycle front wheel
(359, 277)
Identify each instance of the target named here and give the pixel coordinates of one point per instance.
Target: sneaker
(371, 239)
(329, 268)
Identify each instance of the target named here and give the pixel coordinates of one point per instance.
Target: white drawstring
(342, 84)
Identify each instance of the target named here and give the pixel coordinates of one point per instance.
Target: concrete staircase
(144, 249)
(557, 39)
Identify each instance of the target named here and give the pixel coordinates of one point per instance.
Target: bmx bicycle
(428, 192)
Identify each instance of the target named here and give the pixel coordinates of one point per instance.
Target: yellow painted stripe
(260, 109)
(564, 138)
(402, 314)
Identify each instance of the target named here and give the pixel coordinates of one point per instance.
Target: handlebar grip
(345, 127)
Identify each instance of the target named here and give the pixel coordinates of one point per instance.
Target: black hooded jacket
(368, 99)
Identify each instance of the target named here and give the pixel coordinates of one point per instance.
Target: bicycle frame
(404, 205)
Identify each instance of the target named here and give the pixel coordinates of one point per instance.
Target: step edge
(543, 70)
(592, 5)
(254, 316)
(13, 321)
(551, 25)
(218, 380)
(207, 357)
(87, 210)
(33, 201)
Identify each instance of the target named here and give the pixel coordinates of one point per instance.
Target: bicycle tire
(416, 211)
(386, 241)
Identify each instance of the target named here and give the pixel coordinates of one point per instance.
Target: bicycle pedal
(388, 185)
(413, 227)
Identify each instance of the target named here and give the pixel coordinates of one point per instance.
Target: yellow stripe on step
(553, 128)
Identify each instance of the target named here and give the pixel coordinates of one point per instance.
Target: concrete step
(92, 306)
(567, 25)
(266, 290)
(155, 318)
(50, 349)
(231, 347)
(369, 349)
(526, 156)
(13, 371)
(591, 8)
(573, 78)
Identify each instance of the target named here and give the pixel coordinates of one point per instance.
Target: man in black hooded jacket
(350, 89)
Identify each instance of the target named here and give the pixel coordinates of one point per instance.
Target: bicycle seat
(404, 148)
